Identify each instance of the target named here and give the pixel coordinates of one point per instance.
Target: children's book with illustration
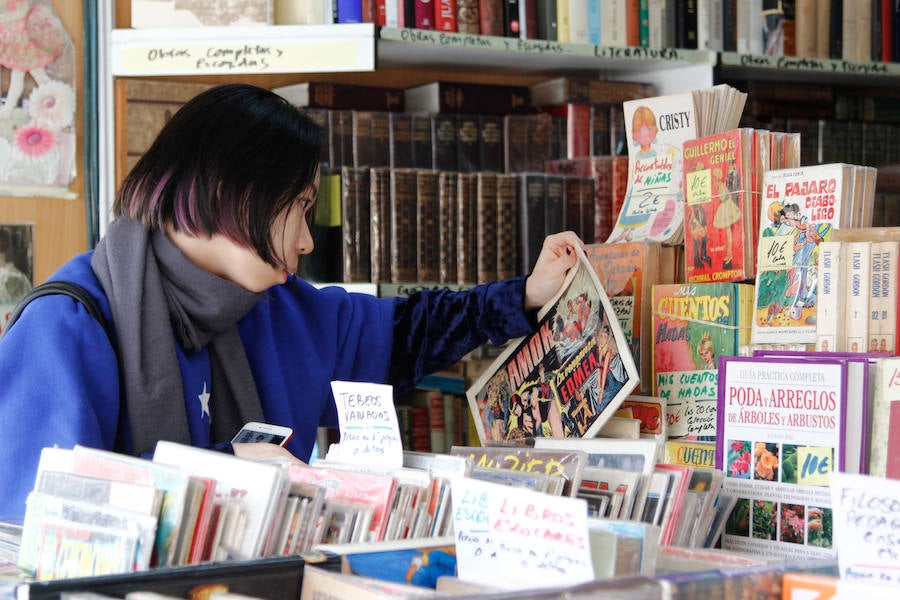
(718, 217)
(564, 380)
(800, 208)
(658, 128)
(693, 325)
(781, 428)
(628, 271)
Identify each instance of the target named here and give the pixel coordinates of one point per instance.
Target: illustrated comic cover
(693, 325)
(718, 222)
(800, 208)
(782, 423)
(628, 272)
(654, 199)
(564, 380)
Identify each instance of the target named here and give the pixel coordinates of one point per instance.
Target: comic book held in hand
(564, 380)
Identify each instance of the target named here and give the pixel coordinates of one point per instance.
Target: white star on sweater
(204, 402)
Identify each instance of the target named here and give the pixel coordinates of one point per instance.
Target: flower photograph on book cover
(765, 520)
(739, 459)
(793, 524)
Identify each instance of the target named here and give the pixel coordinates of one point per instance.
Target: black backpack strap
(69, 289)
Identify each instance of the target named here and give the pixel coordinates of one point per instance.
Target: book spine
(632, 23)
(349, 11)
(466, 240)
(830, 318)
(884, 306)
(355, 231)
(593, 22)
(528, 19)
(507, 261)
(546, 20)
(445, 15)
(554, 207)
(403, 226)
(729, 25)
(490, 17)
(427, 226)
(424, 14)
(422, 156)
(563, 26)
(447, 226)
(486, 225)
(468, 19)
(467, 144)
(859, 265)
(512, 28)
(380, 231)
(369, 11)
(444, 154)
(341, 142)
(361, 138)
(381, 139)
(490, 143)
(601, 173)
(600, 130)
(587, 209)
(531, 197)
(400, 140)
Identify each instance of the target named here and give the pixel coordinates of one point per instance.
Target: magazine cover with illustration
(564, 380)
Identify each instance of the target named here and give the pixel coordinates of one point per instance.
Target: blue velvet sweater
(60, 376)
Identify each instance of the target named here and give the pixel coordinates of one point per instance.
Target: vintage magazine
(564, 380)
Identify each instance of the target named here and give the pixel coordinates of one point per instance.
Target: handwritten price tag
(370, 434)
(866, 522)
(533, 539)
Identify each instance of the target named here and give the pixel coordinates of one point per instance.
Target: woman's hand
(264, 451)
(556, 258)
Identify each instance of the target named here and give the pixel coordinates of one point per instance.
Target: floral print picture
(37, 138)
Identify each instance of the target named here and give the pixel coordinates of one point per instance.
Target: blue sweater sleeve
(60, 387)
(435, 328)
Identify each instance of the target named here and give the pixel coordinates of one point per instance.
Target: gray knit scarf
(159, 297)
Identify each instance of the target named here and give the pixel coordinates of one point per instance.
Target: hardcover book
(427, 226)
(467, 98)
(507, 257)
(380, 230)
(561, 90)
(566, 379)
(447, 226)
(466, 228)
(404, 244)
(343, 96)
(355, 224)
(799, 209)
(781, 426)
(694, 325)
(486, 227)
(884, 441)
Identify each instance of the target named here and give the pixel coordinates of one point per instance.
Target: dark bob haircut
(228, 162)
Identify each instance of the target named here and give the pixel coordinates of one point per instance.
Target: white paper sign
(866, 527)
(532, 539)
(368, 423)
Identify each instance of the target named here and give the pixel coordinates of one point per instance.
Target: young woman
(212, 328)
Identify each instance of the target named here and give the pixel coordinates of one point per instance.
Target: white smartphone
(254, 432)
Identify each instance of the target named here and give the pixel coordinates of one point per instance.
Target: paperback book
(800, 208)
(693, 325)
(564, 380)
(781, 434)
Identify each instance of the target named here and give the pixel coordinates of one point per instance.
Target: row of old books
(466, 127)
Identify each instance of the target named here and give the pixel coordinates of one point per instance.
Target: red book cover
(619, 185)
(380, 15)
(445, 15)
(887, 31)
(490, 13)
(717, 209)
(578, 126)
(369, 11)
(424, 14)
(633, 22)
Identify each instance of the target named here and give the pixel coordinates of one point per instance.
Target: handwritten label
(813, 65)
(534, 539)
(199, 57)
(815, 465)
(699, 186)
(370, 434)
(867, 527)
